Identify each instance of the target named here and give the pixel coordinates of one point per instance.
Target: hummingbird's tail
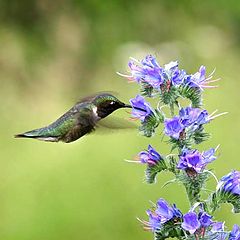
(40, 134)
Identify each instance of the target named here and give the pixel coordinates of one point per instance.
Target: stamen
(206, 86)
(124, 75)
(154, 205)
(132, 119)
(213, 113)
(218, 115)
(212, 72)
(143, 221)
(132, 161)
(215, 80)
(217, 147)
(135, 60)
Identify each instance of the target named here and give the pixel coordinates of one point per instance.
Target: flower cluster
(161, 216)
(200, 224)
(203, 227)
(193, 222)
(149, 71)
(227, 190)
(194, 161)
(155, 163)
(149, 117)
(184, 127)
(189, 121)
(151, 156)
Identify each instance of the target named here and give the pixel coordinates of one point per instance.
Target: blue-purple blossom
(205, 219)
(235, 233)
(194, 160)
(151, 156)
(140, 108)
(193, 116)
(189, 118)
(165, 211)
(230, 183)
(154, 222)
(173, 127)
(199, 79)
(161, 215)
(191, 222)
(217, 227)
(147, 71)
(175, 75)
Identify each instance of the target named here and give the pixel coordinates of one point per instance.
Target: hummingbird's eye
(111, 103)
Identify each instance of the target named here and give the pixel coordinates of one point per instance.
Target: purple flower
(154, 221)
(151, 156)
(173, 127)
(217, 227)
(166, 212)
(230, 183)
(235, 233)
(178, 77)
(194, 160)
(218, 231)
(205, 219)
(161, 215)
(190, 118)
(174, 74)
(147, 71)
(199, 79)
(141, 108)
(191, 222)
(173, 65)
(193, 116)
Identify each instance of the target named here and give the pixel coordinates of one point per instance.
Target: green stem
(193, 194)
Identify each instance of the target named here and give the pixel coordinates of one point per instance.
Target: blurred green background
(54, 52)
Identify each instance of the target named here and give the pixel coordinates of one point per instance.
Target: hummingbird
(80, 120)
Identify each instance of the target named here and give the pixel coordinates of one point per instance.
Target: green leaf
(152, 171)
(193, 94)
(170, 229)
(200, 135)
(151, 123)
(220, 197)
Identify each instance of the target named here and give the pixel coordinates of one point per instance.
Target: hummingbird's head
(107, 103)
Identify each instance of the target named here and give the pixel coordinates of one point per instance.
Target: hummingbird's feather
(40, 134)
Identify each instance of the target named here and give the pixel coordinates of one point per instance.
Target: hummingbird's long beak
(129, 106)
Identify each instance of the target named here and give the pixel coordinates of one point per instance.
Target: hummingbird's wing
(115, 122)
